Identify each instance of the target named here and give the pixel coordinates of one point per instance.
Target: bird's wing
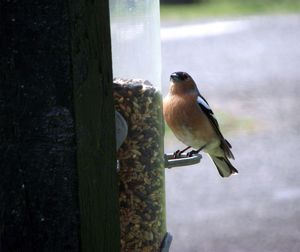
(204, 106)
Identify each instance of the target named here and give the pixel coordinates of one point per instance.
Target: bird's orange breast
(187, 121)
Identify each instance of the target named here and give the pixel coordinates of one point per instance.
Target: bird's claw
(177, 154)
(191, 153)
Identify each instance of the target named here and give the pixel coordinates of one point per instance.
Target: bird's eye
(185, 76)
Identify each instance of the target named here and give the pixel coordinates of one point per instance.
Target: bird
(190, 117)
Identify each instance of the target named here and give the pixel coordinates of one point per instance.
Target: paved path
(249, 70)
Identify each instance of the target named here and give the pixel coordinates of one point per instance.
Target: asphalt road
(249, 71)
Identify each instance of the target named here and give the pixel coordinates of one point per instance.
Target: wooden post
(58, 182)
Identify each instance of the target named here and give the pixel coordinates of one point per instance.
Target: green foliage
(211, 8)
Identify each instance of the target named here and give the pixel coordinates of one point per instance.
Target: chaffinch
(191, 119)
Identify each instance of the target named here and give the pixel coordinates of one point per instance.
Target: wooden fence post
(58, 181)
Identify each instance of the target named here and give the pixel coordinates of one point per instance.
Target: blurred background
(245, 58)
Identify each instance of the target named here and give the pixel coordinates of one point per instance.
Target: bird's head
(177, 77)
(181, 82)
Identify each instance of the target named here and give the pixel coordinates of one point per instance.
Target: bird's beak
(174, 76)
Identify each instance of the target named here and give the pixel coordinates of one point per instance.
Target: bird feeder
(135, 33)
(135, 29)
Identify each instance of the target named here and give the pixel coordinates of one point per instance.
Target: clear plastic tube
(135, 35)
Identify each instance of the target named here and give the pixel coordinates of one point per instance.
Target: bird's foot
(177, 154)
(191, 153)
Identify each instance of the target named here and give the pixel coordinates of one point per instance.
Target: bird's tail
(225, 168)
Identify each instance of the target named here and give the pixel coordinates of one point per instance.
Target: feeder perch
(183, 160)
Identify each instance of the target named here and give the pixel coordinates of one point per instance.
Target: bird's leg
(179, 152)
(191, 153)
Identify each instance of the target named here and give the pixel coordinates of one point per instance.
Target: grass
(223, 8)
(231, 124)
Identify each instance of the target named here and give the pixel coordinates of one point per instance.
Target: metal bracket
(121, 129)
(183, 160)
(166, 243)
